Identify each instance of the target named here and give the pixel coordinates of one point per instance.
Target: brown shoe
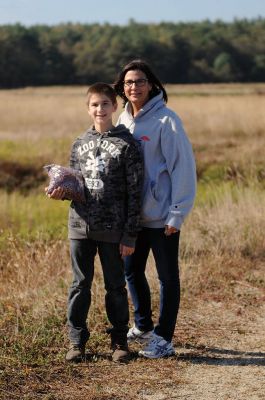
(75, 353)
(120, 353)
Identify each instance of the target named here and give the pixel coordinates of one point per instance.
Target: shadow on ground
(221, 357)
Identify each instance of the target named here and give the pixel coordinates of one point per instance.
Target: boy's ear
(115, 106)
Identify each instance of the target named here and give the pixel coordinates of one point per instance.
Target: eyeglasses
(137, 82)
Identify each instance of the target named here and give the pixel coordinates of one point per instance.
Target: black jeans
(165, 251)
(82, 256)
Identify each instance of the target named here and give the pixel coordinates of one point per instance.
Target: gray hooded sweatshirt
(170, 173)
(112, 167)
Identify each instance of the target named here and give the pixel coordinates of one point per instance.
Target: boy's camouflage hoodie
(112, 166)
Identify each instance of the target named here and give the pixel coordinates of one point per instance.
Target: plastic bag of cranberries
(67, 178)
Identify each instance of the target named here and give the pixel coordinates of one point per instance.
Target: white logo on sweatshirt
(94, 183)
(95, 164)
(111, 148)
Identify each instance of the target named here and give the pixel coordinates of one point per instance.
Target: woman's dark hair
(140, 65)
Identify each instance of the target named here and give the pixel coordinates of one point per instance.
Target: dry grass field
(219, 338)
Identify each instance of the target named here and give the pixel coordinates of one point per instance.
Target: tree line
(178, 52)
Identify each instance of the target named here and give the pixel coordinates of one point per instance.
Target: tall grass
(225, 124)
(32, 217)
(222, 241)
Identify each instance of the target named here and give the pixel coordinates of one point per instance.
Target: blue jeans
(82, 256)
(165, 251)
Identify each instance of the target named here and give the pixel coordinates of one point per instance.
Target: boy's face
(100, 109)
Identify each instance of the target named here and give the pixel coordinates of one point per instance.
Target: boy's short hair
(102, 88)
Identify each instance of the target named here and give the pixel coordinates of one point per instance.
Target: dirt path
(227, 363)
(220, 356)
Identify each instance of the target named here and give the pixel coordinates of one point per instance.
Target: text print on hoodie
(170, 173)
(112, 168)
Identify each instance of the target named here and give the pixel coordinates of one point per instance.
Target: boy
(111, 164)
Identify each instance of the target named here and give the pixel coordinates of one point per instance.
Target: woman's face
(136, 88)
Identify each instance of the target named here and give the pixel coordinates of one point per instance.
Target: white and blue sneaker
(158, 347)
(136, 335)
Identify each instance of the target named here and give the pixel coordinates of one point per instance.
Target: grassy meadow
(222, 254)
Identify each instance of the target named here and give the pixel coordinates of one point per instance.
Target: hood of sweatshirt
(119, 130)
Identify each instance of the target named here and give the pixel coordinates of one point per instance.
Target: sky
(53, 12)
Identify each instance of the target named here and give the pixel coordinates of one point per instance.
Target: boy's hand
(125, 250)
(57, 194)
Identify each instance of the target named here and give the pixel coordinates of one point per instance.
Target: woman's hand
(125, 250)
(57, 194)
(169, 230)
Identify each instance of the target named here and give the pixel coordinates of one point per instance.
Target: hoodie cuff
(128, 240)
(175, 221)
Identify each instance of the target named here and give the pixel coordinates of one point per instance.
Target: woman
(168, 195)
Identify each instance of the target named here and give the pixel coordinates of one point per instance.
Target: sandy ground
(220, 355)
(228, 362)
